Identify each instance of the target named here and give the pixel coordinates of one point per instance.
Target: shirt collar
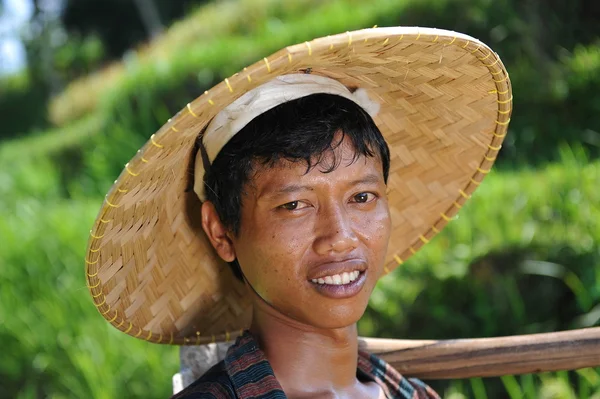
(250, 371)
(252, 375)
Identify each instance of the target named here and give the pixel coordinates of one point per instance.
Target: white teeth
(338, 279)
(345, 278)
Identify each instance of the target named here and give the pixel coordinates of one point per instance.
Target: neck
(305, 358)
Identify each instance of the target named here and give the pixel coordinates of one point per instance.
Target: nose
(335, 233)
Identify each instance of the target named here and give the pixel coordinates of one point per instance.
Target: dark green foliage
(119, 23)
(22, 105)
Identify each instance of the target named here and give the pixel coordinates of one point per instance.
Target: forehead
(339, 166)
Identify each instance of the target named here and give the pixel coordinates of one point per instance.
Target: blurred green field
(523, 255)
(518, 227)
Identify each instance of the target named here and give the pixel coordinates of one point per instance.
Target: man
(311, 189)
(307, 227)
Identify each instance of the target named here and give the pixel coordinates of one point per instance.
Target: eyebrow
(370, 178)
(293, 188)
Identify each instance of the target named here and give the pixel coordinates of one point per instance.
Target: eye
(363, 198)
(290, 206)
(293, 206)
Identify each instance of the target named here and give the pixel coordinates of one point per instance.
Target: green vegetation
(55, 344)
(522, 257)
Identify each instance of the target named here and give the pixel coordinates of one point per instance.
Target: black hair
(301, 130)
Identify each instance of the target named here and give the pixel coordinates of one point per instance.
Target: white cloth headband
(257, 101)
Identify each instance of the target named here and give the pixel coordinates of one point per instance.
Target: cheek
(375, 232)
(376, 228)
(383, 229)
(271, 257)
(286, 241)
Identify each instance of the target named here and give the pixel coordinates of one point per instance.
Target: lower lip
(343, 290)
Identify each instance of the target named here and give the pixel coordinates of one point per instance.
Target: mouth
(340, 279)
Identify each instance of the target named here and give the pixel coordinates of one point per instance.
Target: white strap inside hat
(257, 101)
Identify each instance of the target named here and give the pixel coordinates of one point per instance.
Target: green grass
(57, 345)
(522, 257)
(54, 141)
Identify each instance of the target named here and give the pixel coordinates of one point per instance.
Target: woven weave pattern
(445, 106)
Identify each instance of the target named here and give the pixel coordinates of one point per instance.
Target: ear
(216, 232)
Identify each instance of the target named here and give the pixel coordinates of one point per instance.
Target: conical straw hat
(445, 103)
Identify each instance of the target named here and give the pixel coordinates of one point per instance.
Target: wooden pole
(488, 357)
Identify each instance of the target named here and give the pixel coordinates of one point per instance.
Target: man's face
(312, 245)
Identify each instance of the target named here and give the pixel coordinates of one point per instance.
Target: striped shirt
(246, 373)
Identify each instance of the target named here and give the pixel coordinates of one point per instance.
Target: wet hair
(302, 130)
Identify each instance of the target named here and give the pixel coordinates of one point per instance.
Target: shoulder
(214, 384)
(395, 384)
(418, 389)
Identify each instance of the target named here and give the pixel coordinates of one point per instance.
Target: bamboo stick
(487, 357)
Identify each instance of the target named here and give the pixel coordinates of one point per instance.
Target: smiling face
(312, 245)
(310, 242)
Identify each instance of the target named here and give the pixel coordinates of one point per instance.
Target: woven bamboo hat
(445, 103)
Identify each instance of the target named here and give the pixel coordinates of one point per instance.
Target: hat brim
(445, 102)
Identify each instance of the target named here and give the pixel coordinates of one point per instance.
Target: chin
(337, 317)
